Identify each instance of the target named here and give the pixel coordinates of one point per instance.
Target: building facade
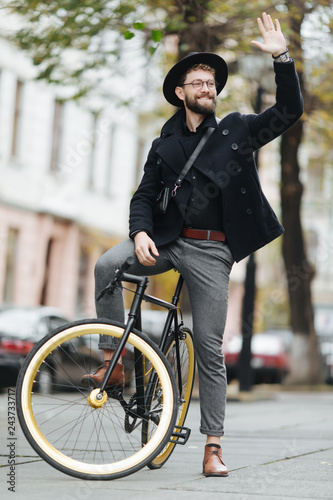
(67, 173)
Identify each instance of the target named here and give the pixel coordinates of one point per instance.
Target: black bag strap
(192, 159)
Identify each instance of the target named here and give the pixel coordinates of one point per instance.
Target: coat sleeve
(141, 218)
(288, 108)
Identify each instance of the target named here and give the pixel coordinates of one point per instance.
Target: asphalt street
(278, 445)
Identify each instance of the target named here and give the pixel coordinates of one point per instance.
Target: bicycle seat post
(179, 286)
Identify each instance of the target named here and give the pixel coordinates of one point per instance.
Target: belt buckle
(208, 234)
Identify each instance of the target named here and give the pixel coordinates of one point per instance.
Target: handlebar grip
(126, 265)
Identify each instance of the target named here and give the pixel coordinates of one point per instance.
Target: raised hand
(274, 41)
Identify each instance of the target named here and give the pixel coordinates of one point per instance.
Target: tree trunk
(197, 35)
(306, 367)
(305, 360)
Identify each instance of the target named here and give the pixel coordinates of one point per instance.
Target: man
(219, 213)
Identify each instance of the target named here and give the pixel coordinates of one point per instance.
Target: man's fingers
(265, 20)
(146, 260)
(145, 256)
(145, 249)
(261, 26)
(149, 259)
(268, 23)
(278, 26)
(154, 250)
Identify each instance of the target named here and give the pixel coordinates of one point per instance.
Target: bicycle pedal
(181, 435)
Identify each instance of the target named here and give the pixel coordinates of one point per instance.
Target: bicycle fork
(98, 396)
(142, 283)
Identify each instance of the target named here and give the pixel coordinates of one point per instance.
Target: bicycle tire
(65, 430)
(187, 359)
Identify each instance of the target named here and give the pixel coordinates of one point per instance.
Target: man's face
(201, 101)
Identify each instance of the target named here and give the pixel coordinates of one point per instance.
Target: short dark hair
(204, 67)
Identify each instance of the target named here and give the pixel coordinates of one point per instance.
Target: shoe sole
(215, 474)
(89, 383)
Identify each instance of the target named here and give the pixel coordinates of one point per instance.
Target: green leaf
(139, 26)
(156, 35)
(128, 35)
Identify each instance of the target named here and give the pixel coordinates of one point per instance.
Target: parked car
(270, 357)
(20, 329)
(326, 348)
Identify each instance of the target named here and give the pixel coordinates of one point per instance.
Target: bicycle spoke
(82, 435)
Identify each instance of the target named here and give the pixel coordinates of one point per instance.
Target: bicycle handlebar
(124, 267)
(117, 277)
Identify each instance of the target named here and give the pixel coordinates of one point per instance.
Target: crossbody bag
(164, 196)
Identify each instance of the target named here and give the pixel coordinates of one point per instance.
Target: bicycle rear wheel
(187, 365)
(74, 432)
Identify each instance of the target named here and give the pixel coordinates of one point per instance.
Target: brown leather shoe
(95, 379)
(212, 463)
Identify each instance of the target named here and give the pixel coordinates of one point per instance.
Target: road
(277, 447)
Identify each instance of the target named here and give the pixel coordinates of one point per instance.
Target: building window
(11, 263)
(17, 119)
(82, 284)
(47, 267)
(57, 134)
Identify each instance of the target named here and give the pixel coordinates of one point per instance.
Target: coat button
(234, 146)
(249, 211)
(159, 160)
(243, 190)
(225, 131)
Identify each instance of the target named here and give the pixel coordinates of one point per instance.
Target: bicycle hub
(96, 399)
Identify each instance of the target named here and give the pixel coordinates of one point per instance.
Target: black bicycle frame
(171, 317)
(134, 320)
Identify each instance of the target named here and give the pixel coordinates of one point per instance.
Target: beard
(200, 106)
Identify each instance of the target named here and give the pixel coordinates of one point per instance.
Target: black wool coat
(227, 160)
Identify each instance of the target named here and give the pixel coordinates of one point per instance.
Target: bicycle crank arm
(181, 436)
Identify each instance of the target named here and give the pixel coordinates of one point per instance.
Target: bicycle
(110, 432)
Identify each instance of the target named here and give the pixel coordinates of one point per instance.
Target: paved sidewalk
(276, 448)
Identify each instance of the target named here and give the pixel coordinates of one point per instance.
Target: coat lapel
(175, 149)
(171, 151)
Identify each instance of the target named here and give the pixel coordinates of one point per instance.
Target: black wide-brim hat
(172, 79)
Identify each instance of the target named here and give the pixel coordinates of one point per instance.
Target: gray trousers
(205, 267)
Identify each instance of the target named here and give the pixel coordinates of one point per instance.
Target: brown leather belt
(200, 234)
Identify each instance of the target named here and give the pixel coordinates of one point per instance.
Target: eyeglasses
(198, 84)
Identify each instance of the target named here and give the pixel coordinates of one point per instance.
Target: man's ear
(179, 93)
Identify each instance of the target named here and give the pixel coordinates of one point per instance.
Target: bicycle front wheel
(85, 436)
(184, 386)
